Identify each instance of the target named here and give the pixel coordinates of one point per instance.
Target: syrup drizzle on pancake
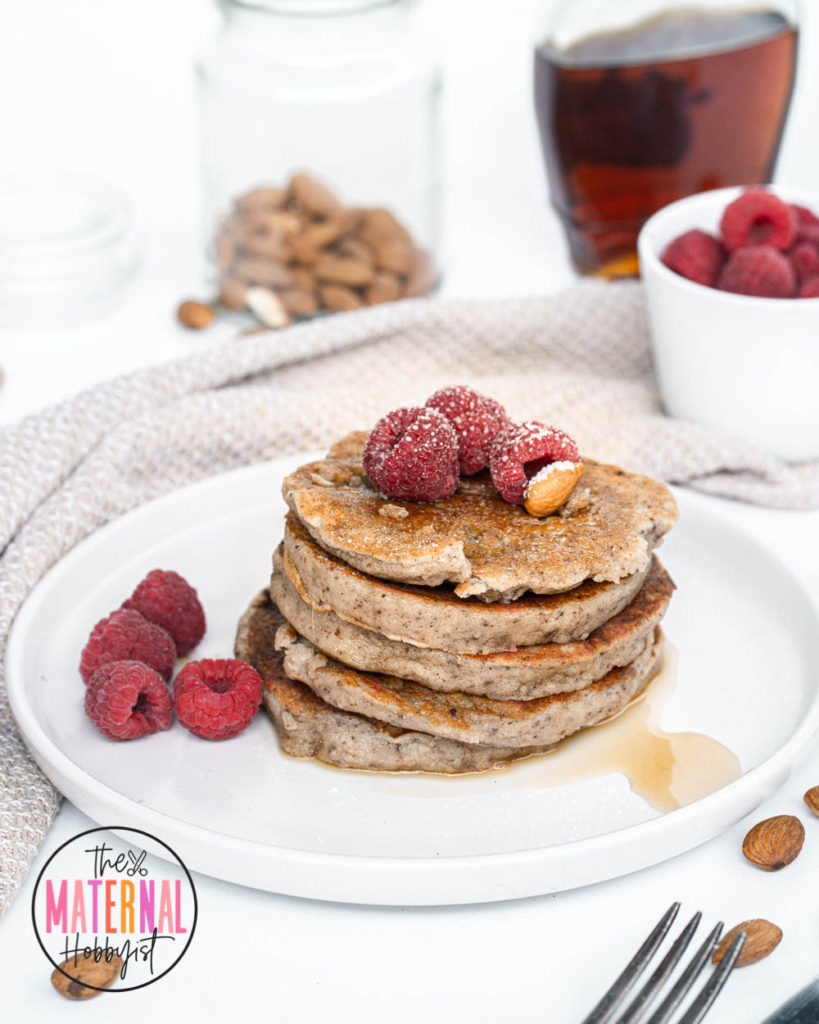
(667, 769)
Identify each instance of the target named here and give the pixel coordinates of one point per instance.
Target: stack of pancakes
(456, 635)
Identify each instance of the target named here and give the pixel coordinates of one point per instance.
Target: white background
(106, 86)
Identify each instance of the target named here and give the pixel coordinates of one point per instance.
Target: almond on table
(761, 938)
(774, 843)
(812, 799)
(75, 982)
(195, 315)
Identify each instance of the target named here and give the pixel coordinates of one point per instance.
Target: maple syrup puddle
(667, 769)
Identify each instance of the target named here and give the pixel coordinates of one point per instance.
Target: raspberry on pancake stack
(454, 591)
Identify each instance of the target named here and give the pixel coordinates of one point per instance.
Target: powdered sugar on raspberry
(412, 454)
(546, 472)
(477, 421)
(521, 452)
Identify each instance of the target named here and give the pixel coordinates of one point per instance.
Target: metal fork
(700, 1005)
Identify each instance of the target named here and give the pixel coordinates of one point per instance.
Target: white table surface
(281, 958)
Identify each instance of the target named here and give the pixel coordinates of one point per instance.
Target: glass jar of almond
(319, 127)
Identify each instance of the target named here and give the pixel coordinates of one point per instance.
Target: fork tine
(654, 983)
(608, 1004)
(702, 1004)
(689, 975)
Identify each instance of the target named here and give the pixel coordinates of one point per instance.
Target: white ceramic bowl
(746, 366)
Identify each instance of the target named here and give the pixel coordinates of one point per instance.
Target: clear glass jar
(319, 123)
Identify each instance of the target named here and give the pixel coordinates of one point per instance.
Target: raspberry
(522, 451)
(809, 289)
(696, 255)
(217, 699)
(412, 455)
(167, 599)
(758, 270)
(807, 224)
(805, 259)
(477, 420)
(128, 636)
(758, 217)
(126, 699)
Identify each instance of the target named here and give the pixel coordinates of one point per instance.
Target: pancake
(460, 716)
(487, 547)
(434, 616)
(523, 673)
(307, 726)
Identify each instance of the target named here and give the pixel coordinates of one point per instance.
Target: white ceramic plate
(242, 811)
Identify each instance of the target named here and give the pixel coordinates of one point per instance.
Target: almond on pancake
(487, 547)
(466, 717)
(309, 727)
(434, 616)
(522, 673)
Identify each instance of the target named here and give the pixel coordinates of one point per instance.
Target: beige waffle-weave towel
(579, 359)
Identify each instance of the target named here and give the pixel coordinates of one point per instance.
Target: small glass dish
(67, 248)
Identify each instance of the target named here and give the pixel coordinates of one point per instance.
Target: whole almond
(394, 255)
(338, 297)
(385, 287)
(195, 315)
(350, 219)
(265, 197)
(812, 799)
(283, 223)
(299, 301)
(101, 974)
(761, 938)
(255, 270)
(343, 270)
(322, 233)
(349, 245)
(268, 245)
(775, 842)
(314, 197)
(378, 225)
(305, 251)
(232, 293)
(303, 278)
(552, 487)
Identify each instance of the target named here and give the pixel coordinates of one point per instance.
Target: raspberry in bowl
(735, 346)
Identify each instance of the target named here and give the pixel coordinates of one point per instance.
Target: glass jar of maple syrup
(641, 103)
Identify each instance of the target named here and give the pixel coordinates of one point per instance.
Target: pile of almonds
(302, 247)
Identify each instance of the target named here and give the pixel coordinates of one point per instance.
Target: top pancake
(489, 548)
